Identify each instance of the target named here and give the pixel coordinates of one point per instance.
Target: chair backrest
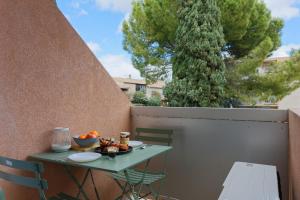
(37, 168)
(161, 136)
(2, 196)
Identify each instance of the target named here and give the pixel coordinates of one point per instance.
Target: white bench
(247, 181)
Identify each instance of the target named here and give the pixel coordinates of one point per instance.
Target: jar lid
(125, 133)
(63, 129)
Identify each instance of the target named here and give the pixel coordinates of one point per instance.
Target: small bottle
(124, 137)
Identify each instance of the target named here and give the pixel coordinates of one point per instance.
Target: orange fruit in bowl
(91, 135)
(83, 136)
(96, 133)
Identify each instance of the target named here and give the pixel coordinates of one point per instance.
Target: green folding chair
(140, 178)
(35, 182)
(2, 196)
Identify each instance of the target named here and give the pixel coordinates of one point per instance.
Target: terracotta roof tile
(121, 81)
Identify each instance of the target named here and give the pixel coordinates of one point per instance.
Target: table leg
(124, 191)
(80, 186)
(96, 191)
(134, 195)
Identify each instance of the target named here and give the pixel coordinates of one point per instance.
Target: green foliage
(154, 101)
(242, 76)
(198, 70)
(140, 98)
(149, 34)
(250, 34)
(274, 32)
(236, 16)
(250, 86)
(281, 79)
(260, 27)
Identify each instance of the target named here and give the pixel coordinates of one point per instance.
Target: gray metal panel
(238, 114)
(205, 149)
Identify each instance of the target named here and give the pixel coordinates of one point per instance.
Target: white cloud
(114, 5)
(285, 9)
(284, 51)
(82, 12)
(119, 66)
(94, 46)
(75, 4)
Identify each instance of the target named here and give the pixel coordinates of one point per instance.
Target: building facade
(130, 86)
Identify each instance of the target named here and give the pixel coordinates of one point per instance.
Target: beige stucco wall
(131, 89)
(294, 153)
(290, 101)
(149, 92)
(49, 78)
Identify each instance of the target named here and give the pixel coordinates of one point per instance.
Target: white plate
(135, 143)
(84, 157)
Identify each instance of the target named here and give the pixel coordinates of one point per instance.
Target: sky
(99, 22)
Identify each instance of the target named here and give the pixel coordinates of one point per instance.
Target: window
(140, 87)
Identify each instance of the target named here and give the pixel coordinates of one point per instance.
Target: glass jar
(124, 137)
(61, 140)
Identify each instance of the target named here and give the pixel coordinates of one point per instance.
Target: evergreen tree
(150, 32)
(198, 69)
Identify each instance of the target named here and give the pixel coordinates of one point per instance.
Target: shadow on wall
(50, 78)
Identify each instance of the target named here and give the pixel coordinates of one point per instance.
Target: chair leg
(159, 188)
(153, 192)
(140, 190)
(145, 195)
(133, 195)
(124, 190)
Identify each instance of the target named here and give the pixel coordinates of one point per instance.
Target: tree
(280, 80)
(242, 76)
(149, 34)
(246, 84)
(154, 101)
(198, 70)
(260, 27)
(140, 98)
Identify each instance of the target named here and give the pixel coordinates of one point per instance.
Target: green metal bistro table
(119, 163)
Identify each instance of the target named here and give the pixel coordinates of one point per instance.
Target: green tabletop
(117, 164)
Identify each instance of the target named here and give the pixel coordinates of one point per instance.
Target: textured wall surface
(207, 141)
(294, 153)
(49, 78)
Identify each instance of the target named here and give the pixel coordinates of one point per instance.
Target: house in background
(131, 86)
(270, 61)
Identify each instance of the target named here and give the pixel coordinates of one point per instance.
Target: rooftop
(123, 81)
(277, 59)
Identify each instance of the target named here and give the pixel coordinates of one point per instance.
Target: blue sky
(98, 22)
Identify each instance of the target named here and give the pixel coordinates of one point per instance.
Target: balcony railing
(208, 141)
